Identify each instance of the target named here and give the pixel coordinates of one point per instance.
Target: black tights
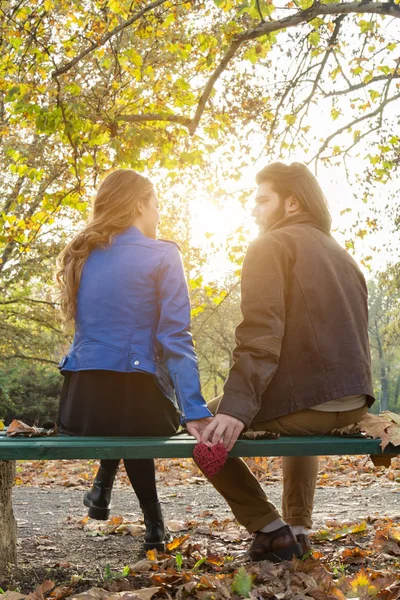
(142, 475)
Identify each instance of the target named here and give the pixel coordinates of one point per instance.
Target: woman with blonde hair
(131, 369)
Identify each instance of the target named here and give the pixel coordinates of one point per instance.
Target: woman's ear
(139, 208)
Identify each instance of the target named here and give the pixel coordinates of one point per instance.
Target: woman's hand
(196, 428)
(222, 428)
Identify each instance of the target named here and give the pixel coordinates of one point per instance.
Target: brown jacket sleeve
(259, 335)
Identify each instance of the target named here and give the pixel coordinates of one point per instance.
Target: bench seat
(179, 446)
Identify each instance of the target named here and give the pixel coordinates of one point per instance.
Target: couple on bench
(301, 361)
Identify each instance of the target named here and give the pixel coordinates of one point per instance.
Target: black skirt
(101, 403)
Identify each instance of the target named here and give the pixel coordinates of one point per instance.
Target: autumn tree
(190, 91)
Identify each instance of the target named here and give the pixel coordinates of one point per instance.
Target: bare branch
(332, 41)
(37, 358)
(104, 39)
(360, 86)
(302, 16)
(229, 54)
(320, 10)
(352, 123)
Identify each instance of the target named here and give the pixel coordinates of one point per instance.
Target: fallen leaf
(175, 526)
(92, 594)
(141, 565)
(145, 593)
(336, 534)
(17, 427)
(386, 425)
(388, 540)
(151, 555)
(41, 590)
(61, 592)
(132, 529)
(176, 542)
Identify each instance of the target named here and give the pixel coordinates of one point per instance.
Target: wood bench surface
(179, 446)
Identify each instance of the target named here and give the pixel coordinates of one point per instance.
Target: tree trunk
(8, 525)
(384, 375)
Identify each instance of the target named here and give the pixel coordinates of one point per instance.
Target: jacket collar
(303, 218)
(130, 234)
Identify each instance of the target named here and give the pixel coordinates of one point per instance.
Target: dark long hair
(296, 179)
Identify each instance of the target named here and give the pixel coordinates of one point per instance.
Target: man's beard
(274, 218)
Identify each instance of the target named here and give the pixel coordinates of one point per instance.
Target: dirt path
(50, 534)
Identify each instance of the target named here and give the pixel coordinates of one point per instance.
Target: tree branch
(37, 358)
(359, 86)
(302, 16)
(352, 123)
(155, 117)
(27, 300)
(104, 39)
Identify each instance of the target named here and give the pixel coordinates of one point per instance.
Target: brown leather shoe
(276, 546)
(305, 543)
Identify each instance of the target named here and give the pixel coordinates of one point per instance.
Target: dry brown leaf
(113, 524)
(386, 426)
(259, 435)
(353, 556)
(146, 593)
(12, 596)
(132, 529)
(141, 566)
(388, 540)
(175, 526)
(17, 427)
(61, 592)
(92, 594)
(41, 590)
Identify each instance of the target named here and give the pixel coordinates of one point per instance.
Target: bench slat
(180, 446)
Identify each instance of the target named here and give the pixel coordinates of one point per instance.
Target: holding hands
(221, 428)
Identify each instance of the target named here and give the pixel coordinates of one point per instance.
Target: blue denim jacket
(133, 315)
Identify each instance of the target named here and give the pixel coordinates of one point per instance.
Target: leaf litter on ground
(207, 558)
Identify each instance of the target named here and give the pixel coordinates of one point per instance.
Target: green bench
(179, 446)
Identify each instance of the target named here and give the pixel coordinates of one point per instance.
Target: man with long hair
(302, 360)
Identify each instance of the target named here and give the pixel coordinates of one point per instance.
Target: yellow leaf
(151, 554)
(2, 426)
(176, 542)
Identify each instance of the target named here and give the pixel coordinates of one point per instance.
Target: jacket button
(136, 362)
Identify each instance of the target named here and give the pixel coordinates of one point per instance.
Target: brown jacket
(304, 335)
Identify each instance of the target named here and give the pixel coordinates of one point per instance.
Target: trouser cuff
(266, 519)
(301, 521)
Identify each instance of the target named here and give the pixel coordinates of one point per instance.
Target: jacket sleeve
(173, 335)
(259, 335)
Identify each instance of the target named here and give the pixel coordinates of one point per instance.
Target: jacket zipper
(178, 396)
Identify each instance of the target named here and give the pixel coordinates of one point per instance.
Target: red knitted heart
(210, 459)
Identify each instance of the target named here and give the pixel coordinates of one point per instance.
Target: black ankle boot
(156, 534)
(99, 497)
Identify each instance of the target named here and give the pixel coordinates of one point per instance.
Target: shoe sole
(158, 545)
(285, 554)
(97, 513)
(154, 546)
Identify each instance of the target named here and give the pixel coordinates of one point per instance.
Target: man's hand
(223, 428)
(196, 428)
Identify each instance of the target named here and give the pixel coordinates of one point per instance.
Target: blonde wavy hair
(120, 195)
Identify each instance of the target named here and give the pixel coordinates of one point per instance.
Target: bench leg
(8, 525)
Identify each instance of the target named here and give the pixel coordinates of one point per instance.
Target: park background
(197, 95)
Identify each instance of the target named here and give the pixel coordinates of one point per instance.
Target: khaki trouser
(241, 490)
